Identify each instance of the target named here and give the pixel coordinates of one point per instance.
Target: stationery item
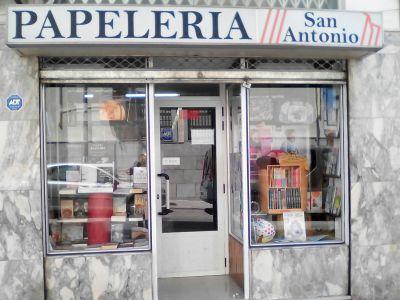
(72, 176)
(67, 191)
(140, 206)
(317, 238)
(294, 226)
(136, 191)
(315, 202)
(140, 175)
(117, 232)
(264, 231)
(89, 174)
(67, 208)
(90, 190)
(55, 232)
(139, 232)
(112, 110)
(99, 213)
(109, 246)
(141, 242)
(80, 209)
(72, 233)
(125, 245)
(119, 206)
(120, 219)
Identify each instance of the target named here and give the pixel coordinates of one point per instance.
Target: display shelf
(259, 214)
(284, 188)
(123, 219)
(86, 220)
(117, 192)
(69, 221)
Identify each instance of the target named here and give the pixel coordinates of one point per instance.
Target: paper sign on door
(202, 136)
(171, 161)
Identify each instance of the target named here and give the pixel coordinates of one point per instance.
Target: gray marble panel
(375, 272)
(20, 155)
(21, 279)
(294, 273)
(19, 75)
(375, 211)
(374, 108)
(113, 276)
(374, 149)
(20, 225)
(373, 82)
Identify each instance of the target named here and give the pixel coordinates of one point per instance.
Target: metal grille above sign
(190, 63)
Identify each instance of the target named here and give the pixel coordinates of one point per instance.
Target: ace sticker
(14, 102)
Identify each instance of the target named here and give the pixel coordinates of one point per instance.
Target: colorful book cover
(315, 202)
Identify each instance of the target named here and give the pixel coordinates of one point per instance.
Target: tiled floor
(199, 288)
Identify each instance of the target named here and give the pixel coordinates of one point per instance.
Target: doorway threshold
(221, 287)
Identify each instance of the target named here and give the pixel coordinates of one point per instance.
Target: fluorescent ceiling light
(88, 95)
(156, 94)
(135, 95)
(166, 95)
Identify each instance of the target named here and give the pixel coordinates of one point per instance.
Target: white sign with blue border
(14, 102)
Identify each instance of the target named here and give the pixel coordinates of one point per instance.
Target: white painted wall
(390, 9)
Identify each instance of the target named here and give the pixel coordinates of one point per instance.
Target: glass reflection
(96, 167)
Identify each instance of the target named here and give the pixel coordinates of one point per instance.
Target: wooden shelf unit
(283, 188)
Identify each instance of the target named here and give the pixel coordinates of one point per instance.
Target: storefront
(191, 142)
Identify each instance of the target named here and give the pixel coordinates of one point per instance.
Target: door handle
(165, 210)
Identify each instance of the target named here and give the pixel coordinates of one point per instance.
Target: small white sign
(295, 226)
(139, 175)
(171, 161)
(202, 136)
(72, 176)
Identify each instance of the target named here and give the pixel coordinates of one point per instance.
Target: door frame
(218, 102)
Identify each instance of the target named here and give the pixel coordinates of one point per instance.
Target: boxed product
(67, 208)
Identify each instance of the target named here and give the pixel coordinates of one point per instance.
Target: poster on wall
(295, 226)
(202, 136)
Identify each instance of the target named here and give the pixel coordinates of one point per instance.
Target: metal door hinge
(223, 187)
(225, 262)
(223, 125)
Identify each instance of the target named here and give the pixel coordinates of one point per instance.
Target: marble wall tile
(373, 82)
(392, 38)
(21, 279)
(293, 273)
(375, 213)
(19, 75)
(374, 108)
(20, 155)
(374, 149)
(20, 225)
(118, 276)
(375, 272)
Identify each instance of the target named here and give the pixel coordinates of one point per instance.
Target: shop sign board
(141, 25)
(14, 102)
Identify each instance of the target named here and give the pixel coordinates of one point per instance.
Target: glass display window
(96, 162)
(295, 142)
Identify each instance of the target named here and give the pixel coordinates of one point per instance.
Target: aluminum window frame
(344, 163)
(243, 77)
(43, 161)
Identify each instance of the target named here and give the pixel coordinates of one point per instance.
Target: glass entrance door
(188, 169)
(189, 192)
